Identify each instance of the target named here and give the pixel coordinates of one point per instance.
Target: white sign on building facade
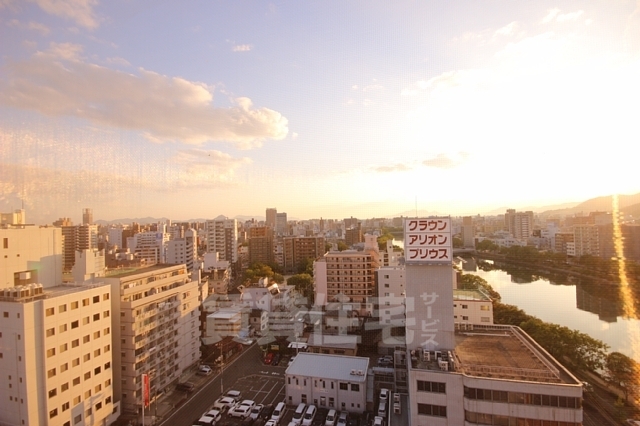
(428, 240)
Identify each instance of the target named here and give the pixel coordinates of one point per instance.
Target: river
(576, 306)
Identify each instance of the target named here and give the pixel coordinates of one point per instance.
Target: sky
(318, 108)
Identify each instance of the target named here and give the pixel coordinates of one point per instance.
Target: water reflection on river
(567, 305)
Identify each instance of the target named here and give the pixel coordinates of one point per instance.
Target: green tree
(457, 242)
(260, 270)
(487, 245)
(474, 282)
(382, 239)
(303, 284)
(623, 372)
(342, 246)
(509, 314)
(306, 266)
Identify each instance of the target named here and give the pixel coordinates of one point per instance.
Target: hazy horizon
(320, 109)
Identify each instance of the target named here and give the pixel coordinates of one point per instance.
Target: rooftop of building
(136, 270)
(32, 292)
(477, 295)
(330, 367)
(499, 352)
(337, 341)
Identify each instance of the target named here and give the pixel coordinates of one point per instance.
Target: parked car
(267, 411)
(204, 370)
(384, 395)
(185, 387)
(309, 415)
(224, 403)
(241, 411)
(332, 418)
(255, 411)
(268, 358)
(278, 412)
(299, 413)
(235, 394)
(276, 359)
(342, 418)
(378, 421)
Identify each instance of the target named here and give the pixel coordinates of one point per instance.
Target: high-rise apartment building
(150, 246)
(281, 224)
(347, 274)
(183, 250)
(17, 217)
(261, 245)
(87, 216)
(79, 237)
(519, 224)
(271, 217)
(55, 340)
(298, 249)
(222, 237)
(468, 232)
(155, 331)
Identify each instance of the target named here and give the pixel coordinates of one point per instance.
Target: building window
(96, 317)
(85, 302)
(96, 334)
(62, 328)
(436, 387)
(76, 381)
(96, 299)
(465, 306)
(64, 387)
(62, 308)
(74, 305)
(465, 318)
(51, 332)
(77, 419)
(355, 387)
(485, 319)
(48, 312)
(64, 367)
(432, 410)
(63, 347)
(75, 343)
(85, 320)
(87, 375)
(344, 386)
(86, 339)
(53, 392)
(65, 406)
(53, 413)
(484, 307)
(75, 324)
(51, 352)
(75, 362)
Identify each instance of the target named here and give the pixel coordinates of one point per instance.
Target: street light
(221, 359)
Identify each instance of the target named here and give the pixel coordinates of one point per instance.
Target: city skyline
(321, 109)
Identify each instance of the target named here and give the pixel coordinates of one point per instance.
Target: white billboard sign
(428, 240)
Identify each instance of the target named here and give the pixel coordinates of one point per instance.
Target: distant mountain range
(629, 204)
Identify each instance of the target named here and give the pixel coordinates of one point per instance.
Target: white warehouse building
(330, 381)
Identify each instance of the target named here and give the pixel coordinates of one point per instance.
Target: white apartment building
(156, 331)
(183, 250)
(150, 246)
(33, 253)
(221, 234)
(329, 381)
(115, 236)
(17, 217)
(227, 322)
(391, 295)
(56, 356)
(389, 256)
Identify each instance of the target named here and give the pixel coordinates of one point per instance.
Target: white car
(215, 414)
(243, 409)
(332, 418)
(204, 370)
(255, 411)
(378, 421)
(271, 423)
(224, 403)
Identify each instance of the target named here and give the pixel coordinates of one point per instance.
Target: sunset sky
(194, 109)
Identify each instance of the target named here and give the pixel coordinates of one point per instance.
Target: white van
(382, 409)
(297, 416)
(331, 419)
(278, 412)
(309, 415)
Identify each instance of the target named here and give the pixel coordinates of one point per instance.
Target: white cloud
(398, 167)
(572, 16)
(555, 15)
(118, 61)
(446, 161)
(60, 83)
(32, 26)
(551, 15)
(294, 136)
(507, 30)
(206, 168)
(79, 11)
(242, 47)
